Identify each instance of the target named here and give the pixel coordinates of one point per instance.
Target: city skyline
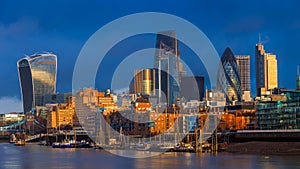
(27, 29)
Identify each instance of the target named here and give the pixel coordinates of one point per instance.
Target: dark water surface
(35, 156)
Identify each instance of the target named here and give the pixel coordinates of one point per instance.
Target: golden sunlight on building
(61, 115)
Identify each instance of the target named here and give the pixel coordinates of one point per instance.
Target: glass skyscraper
(167, 63)
(229, 77)
(37, 74)
(144, 81)
(165, 41)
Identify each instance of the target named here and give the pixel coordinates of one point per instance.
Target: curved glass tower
(229, 77)
(37, 74)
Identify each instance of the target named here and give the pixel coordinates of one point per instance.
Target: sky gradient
(28, 27)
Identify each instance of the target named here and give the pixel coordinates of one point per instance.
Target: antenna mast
(259, 38)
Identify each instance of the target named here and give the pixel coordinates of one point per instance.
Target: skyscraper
(167, 63)
(144, 81)
(243, 62)
(37, 75)
(266, 70)
(298, 79)
(165, 41)
(228, 80)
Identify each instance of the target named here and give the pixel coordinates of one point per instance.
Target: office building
(144, 81)
(243, 62)
(266, 71)
(298, 80)
(60, 116)
(37, 74)
(228, 80)
(279, 111)
(167, 63)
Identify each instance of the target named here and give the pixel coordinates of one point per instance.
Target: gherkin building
(228, 80)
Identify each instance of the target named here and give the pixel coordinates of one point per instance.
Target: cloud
(10, 104)
(22, 27)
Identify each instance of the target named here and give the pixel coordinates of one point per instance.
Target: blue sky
(62, 27)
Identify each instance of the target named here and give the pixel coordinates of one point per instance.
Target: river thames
(35, 156)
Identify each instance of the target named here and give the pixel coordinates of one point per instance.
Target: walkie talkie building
(37, 75)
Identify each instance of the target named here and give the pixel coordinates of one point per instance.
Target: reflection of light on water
(34, 156)
(64, 149)
(134, 153)
(174, 159)
(13, 156)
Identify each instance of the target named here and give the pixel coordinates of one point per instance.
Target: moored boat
(13, 138)
(142, 147)
(20, 143)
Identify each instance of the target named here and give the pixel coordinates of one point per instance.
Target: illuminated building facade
(280, 111)
(61, 115)
(144, 81)
(37, 74)
(266, 70)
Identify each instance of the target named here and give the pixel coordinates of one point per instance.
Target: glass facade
(280, 114)
(37, 75)
(229, 77)
(168, 80)
(298, 83)
(144, 81)
(165, 40)
(166, 61)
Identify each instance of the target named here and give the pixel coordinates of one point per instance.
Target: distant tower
(37, 75)
(298, 78)
(243, 62)
(266, 70)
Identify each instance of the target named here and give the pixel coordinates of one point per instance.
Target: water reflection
(34, 156)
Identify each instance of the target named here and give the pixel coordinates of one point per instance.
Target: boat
(161, 148)
(20, 140)
(184, 148)
(20, 143)
(142, 147)
(71, 144)
(84, 144)
(56, 145)
(222, 146)
(13, 138)
(63, 144)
